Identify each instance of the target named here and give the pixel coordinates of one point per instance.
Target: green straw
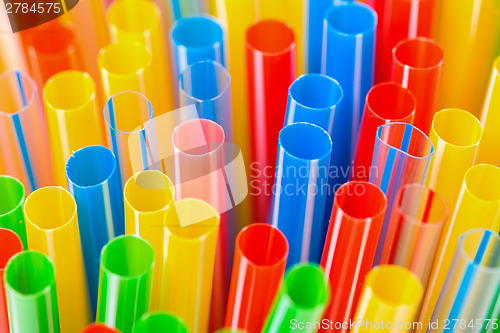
(125, 282)
(160, 322)
(302, 299)
(11, 207)
(31, 293)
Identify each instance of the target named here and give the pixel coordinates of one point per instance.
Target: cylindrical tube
(52, 229)
(416, 65)
(385, 103)
(98, 193)
(125, 279)
(304, 152)
(468, 293)
(258, 269)
(415, 226)
(487, 151)
(398, 20)
(271, 57)
(302, 298)
(347, 56)
(207, 85)
(73, 117)
(186, 8)
(10, 244)
(194, 39)
(99, 328)
(357, 216)
(24, 140)
(141, 21)
(391, 295)
(132, 133)
(401, 155)
(478, 206)
(191, 228)
(11, 207)
(30, 289)
(148, 194)
(160, 322)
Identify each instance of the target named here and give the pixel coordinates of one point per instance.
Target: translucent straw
(271, 70)
(11, 207)
(10, 244)
(304, 152)
(385, 103)
(160, 322)
(52, 229)
(98, 193)
(148, 194)
(416, 65)
(73, 117)
(141, 21)
(185, 8)
(24, 141)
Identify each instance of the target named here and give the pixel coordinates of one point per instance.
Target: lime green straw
(160, 322)
(11, 207)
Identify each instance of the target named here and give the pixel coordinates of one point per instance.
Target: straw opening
(149, 191)
(50, 208)
(29, 273)
(82, 170)
(361, 200)
(160, 322)
(420, 204)
(316, 91)
(457, 127)
(198, 137)
(262, 244)
(11, 244)
(204, 80)
(305, 141)
(128, 256)
(118, 119)
(390, 101)
(306, 286)
(406, 139)
(19, 91)
(124, 58)
(133, 16)
(351, 19)
(191, 219)
(270, 37)
(481, 247)
(12, 194)
(483, 181)
(419, 53)
(395, 285)
(197, 32)
(69, 90)
(54, 39)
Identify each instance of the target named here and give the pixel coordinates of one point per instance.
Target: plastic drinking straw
(357, 216)
(99, 328)
(415, 226)
(11, 207)
(224, 330)
(478, 206)
(314, 98)
(191, 228)
(185, 8)
(24, 141)
(347, 56)
(401, 155)
(141, 21)
(98, 193)
(30, 289)
(301, 186)
(398, 20)
(125, 281)
(391, 295)
(160, 322)
(386, 102)
(416, 65)
(207, 85)
(11, 56)
(487, 150)
(73, 117)
(302, 298)
(194, 39)
(258, 269)
(471, 286)
(468, 33)
(52, 229)
(131, 132)
(10, 244)
(148, 194)
(271, 57)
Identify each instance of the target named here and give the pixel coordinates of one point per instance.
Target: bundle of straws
(250, 166)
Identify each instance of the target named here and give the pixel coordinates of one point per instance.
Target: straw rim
(213, 124)
(132, 178)
(427, 224)
(251, 46)
(162, 315)
(19, 246)
(137, 45)
(67, 27)
(218, 67)
(431, 150)
(154, 20)
(381, 85)
(316, 76)
(469, 115)
(17, 182)
(325, 291)
(52, 83)
(273, 232)
(205, 17)
(98, 328)
(470, 173)
(150, 113)
(93, 148)
(34, 94)
(465, 255)
(315, 128)
(352, 4)
(425, 40)
(374, 189)
(61, 190)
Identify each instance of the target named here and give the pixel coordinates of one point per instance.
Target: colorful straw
(11, 207)
(99, 328)
(160, 322)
